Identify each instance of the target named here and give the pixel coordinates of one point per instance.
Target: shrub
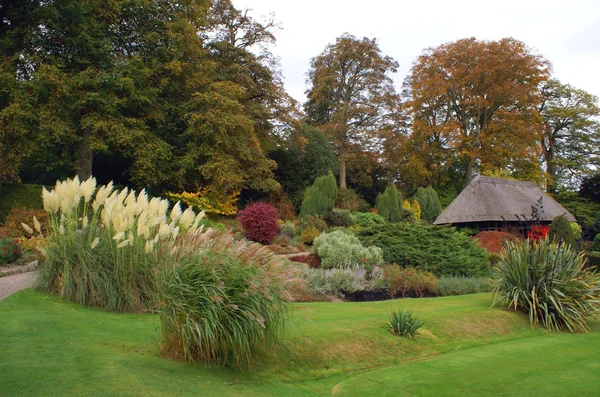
(320, 197)
(440, 250)
(288, 228)
(339, 217)
(407, 216)
(338, 249)
(17, 216)
(451, 285)
(10, 251)
(19, 196)
(209, 199)
(311, 260)
(561, 231)
(224, 301)
(538, 232)
(347, 199)
(577, 231)
(596, 244)
(313, 221)
(429, 203)
(404, 323)
(259, 221)
(409, 281)
(309, 235)
(104, 247)
(584, 210)
(388, 204)
(342, 281)
(550, 283)
(364, 219)
(415, 207)
(493, 240)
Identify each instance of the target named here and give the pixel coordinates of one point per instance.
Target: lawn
(53, 348)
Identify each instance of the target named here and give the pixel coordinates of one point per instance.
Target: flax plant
(104, 244)
(549, 282)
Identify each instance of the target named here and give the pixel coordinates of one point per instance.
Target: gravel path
(11, 284)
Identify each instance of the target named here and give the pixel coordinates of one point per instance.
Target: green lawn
(52, 348)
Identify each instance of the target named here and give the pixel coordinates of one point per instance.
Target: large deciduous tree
(351, 95)
(475, 102)
(570, 137)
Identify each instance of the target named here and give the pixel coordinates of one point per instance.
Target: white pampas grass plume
(87, 189)
(36, 224)
(95, 242)
(27, 228)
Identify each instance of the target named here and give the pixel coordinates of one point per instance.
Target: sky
(567, 33)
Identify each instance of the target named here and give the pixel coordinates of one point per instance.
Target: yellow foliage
(416, 209)
(406, 205)
(210, 200)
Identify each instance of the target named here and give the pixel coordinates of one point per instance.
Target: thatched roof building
(489, 201)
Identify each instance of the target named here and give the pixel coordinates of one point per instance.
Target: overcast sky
(567, 33)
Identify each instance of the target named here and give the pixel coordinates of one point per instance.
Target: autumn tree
(570, 137)
(476, 100)
(351, 95)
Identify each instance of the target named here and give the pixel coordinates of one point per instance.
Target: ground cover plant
(441, 250)
(549, 282)
(342, 281)
(340, 249)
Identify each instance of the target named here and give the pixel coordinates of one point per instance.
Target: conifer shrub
(340, 218)
(596, 243)
(222, 301)
(259, 221)
(320, 197)
(367, 219)
(440, 250)
(388, 204)
(347, 199)
(429, 204)
(339, 249)
(561, 231)
(313, 221)
(407, 216)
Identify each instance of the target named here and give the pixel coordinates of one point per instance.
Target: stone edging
(21, 269)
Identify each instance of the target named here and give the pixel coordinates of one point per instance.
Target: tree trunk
(469, 173)
(85, 157)
(342, 173)
(550, 166)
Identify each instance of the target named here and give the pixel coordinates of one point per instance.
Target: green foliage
(10, 251)
(407, 216)
(561, 231)
(596, 225)
(404, 323)
(313, 221)
(429, 203)
(451, 285)
(340, 217)
(340, 281)
(309, 235)
(320, 197)
(583, 209)
(288, 229)
(446, 195)
(388, 204)
(596, 243)
(223, 302)
(441, 250)
(408, 280)
(550, 283)
(347, 199)
(339, 249)
(19, 196)
(364, 219)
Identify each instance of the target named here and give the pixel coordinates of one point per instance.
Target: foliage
(367, 219)
(404, 323)
(320, 197)
(209, 200)
(347, 199)
(339, 249)
(407, 216)
(570, 134)
(259, 221)
(590, 188)
(429, 203)
(17, 216)
(538, 232)
(10, 251)
(408, 280)
(19, 196)
(451, 285)
(105, 246)
(583, 209)
(309, 234)
(223, 302)
(340, 217)
(473, 106)
(288, 229)
(549, 282)
(577, 231)
(440, 250)
(561, 231)
(343, 280)
(344, 78)
(415, 207)
(596, 244)
(313, 221)
(493, 240)
(388, 204)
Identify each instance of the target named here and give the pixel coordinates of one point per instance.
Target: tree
(570, 137)
(476, 100)
(388, 204)
(429, 203)
(351, 95)
(561, 231)
(320, 197)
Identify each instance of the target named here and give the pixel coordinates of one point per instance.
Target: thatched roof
(488, 199)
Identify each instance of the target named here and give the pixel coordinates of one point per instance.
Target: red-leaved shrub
(259, 221)
(538, 232)
(493, 241)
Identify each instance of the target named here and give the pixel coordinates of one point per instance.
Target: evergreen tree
(320, 197)
(388, 204)
(561, 231)
(429, 203)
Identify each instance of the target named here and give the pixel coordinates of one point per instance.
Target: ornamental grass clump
(103, 245)
(225, 302)
(404, 323)
(550, 283)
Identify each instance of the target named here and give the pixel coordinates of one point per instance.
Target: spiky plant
(404, 323)
(550, 283)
